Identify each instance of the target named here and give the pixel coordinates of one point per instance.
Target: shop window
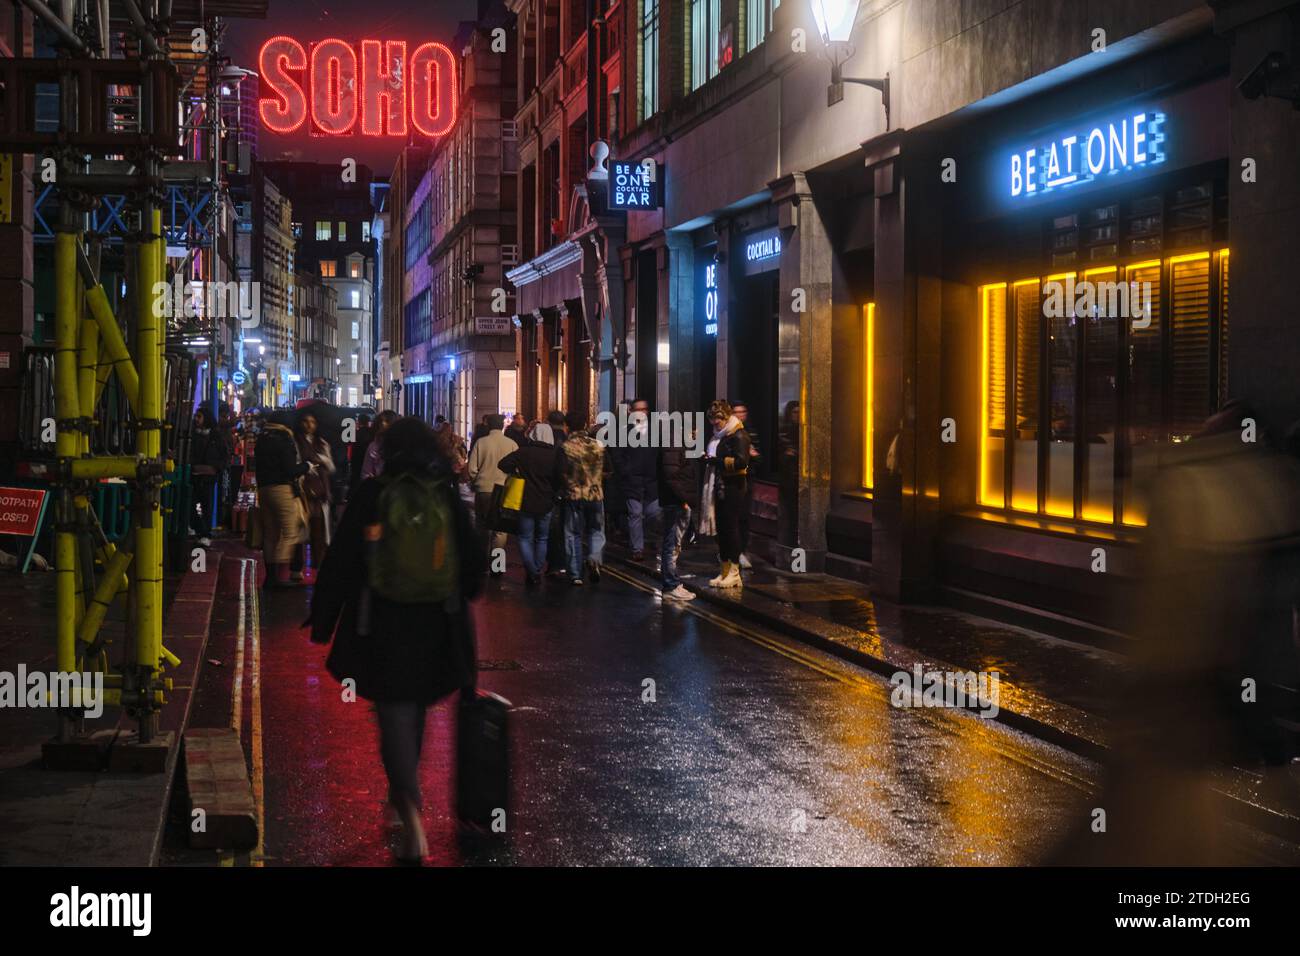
(1028, 312)
(1086, 376)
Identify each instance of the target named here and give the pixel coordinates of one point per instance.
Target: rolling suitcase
(482, 760)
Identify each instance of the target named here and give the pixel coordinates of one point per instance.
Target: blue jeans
(676, 520)
(533, 533)
(584, 528)
(637, 511)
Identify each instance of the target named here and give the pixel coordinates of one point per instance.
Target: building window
(355, 360)
(758, 21)
(649, 58)
(323, 230)
(706, 17)
(343, 232)
(354, 269)
(328, 268)
(356, 298)
(365, 230)
(356, 330)
(1086, 375)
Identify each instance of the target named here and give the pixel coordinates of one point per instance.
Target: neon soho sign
(1082, 155)
(342, 87)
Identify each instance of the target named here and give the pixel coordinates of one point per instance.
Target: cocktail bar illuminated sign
(373, 85)
(1086, 153)
(711, 297)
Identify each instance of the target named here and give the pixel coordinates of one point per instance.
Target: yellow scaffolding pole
(67, 443)
(151, 337)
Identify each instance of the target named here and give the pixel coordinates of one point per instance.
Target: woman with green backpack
(392, 593)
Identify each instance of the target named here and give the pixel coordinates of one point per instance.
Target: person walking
(405, 639)
(679, 495)
(208, 458)
(541, 465)
(279, 506)
(741, 411)
(557, 558)
(484, 471)
(315, 451)
(517, 430)
(373, 466)
(584, 493)
(357, 453)
(723, 497)
(636, 467)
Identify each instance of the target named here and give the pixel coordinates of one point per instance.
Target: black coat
(413, 652)
(542, 468)
(732, 462)
(679, 478)
(637, 471)
(276, 457)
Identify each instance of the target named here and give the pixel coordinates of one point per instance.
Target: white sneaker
(679, 593)
(717, 582)
(732, 580)
(744, 563)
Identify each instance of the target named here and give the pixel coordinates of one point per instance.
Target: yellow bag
(513, 499)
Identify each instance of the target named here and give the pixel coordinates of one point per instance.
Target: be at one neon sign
(1087, 153)
(373, 87)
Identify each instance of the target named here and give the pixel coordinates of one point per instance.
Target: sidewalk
(1058, 690)
(90, 818)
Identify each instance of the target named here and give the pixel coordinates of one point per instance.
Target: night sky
(308, 20)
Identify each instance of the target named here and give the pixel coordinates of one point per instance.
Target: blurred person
(584, 500)
(279, 505)
(1220, 559)
(726, 462)
(678, 483)
(484, 472)
(209, 456)
(636, 467)
(405, 639)
(373, 465)
(541, 465)
(741, 411)
(481, 430)
(315, 451)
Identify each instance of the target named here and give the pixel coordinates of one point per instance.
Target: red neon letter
(333, 87)
(433, 89)
(383, 87)
(280, 55)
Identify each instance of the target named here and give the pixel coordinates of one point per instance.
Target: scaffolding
(122, 74)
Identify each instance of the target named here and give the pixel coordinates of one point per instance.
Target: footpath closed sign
(20, 510)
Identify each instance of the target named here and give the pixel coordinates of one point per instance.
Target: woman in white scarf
(726, 477)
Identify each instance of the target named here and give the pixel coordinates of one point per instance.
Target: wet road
(754, 749)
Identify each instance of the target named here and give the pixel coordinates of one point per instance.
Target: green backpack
(412, 546)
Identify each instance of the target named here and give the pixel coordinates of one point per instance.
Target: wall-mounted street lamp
(835, 20)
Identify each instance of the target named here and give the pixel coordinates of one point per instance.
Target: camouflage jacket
(584, 468)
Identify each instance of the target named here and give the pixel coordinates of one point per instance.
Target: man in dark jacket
(679, 496)
(209, 456)
(541, 465)
(635, 466)
(557, 559)
(404, 657)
